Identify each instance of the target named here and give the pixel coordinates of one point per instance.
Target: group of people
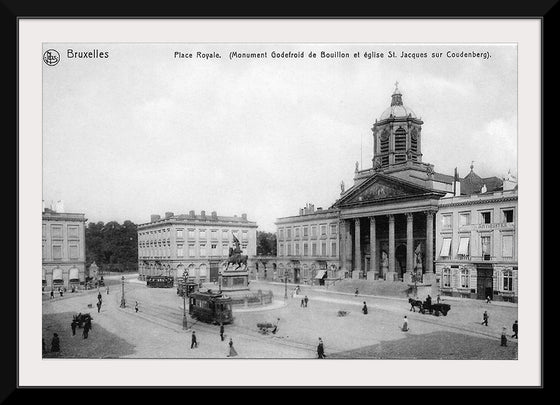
(231, 352)
(60, 290)
(304, 302)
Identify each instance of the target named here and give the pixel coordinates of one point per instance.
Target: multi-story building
(398, 214)
(308, 245)
(476, 241)
(198, 244)
(63, 238)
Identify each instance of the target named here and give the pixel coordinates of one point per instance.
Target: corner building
(198, 244)
(384, 227)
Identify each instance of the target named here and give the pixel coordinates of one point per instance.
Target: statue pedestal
(355, 274)
(370, 275)
(232, 280)
(392, 276)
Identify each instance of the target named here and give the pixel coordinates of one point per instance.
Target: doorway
(484, 282)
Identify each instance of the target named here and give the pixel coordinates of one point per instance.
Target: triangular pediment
(380, 188)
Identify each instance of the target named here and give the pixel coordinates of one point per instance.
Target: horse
(415, 303)
(237, 258)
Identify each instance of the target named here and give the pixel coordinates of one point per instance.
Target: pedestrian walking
(99, 296)
(404, 327)
(515, 328)
(438, 299)
(485, 317)
(488, 300)
(232, 352)
(305, 300)
(55, 343)
(302, 303)
(87, 328)
(364, 308)
(504, 337)
(194, 343)
(136, 306)
(73, 326)
(320, 349)
(98, 306)
(107, 289)
(222, 331)
(61, 292)
(356, 292)
(52, 294)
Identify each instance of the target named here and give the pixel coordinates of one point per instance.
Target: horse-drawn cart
(427, 306)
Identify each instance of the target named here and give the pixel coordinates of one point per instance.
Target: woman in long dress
(232, 351)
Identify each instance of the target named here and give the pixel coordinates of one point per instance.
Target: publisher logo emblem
(51, 57)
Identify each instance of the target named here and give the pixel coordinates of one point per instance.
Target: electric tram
(210, 307)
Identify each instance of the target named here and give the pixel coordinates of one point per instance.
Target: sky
(143, 132)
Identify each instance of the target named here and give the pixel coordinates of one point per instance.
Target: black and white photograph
(220, 201)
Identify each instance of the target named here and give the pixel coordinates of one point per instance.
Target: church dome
(397, 108)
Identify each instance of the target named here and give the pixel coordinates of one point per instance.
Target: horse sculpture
(415, 303)
(236, 258)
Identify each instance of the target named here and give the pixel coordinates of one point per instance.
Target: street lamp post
(285, 286)
(123, 302)
(185, 276)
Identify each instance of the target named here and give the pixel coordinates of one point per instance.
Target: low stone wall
(252, 298)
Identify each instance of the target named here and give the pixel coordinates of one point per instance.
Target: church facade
(386, 225)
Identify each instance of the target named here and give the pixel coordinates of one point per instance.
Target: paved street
(156, 330)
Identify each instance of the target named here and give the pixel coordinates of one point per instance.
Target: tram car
(190, 287)
(210, 307)
(159, 281)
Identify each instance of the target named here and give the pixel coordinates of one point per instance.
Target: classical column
(357, 248)
(409, 243)
(429, 242)
(342, 243)
(391, 275)
(374, 266)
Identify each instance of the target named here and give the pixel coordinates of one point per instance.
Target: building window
(214, 249)
(445, 247)
(507, 280)
(281, 233)
(464, 219)
(507, 245)
(281, 250)
(447, 221)
(225, 235)
(297, 249)
(447, 277)
(464, 278)
(214, 234)
(305, 231)
(296, 232)
(313, 249)
(508, 216)
(305, 249)
(333, 249)
(245, 235)
(486, 217)
(333, 229)
(57, 252)
(180, 251)
(191, 233)
(225, 250)
(324, 249)
(73, 232)
(202, 233)
(289, 233)
(56, 231)
(323, 230)
(73, 252)
(202, 250)
(179, 233)
(192, 252)
(313, 231)
(485, 247)
(289, 246)
(44, 251)
(464, 243)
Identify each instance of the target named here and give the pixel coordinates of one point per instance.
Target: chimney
(154, 218)
(301, 211)
(168, 215)
(191, 213)
(244, 216)
(214, 215)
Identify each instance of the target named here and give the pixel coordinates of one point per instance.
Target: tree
(112, 246)
(266, 243)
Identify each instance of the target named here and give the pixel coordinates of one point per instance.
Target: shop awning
(446, 247)
(320, 274)
(463, 246)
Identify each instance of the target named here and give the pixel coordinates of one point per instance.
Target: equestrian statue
(235, 256)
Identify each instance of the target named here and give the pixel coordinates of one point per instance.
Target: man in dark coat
(364, 308)
(515, 328)
(73, 326)
(194, 343)
(222, 331)
(320, 350)
(485, 318)
(306, 300)
(87, 327)
(55, 343)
